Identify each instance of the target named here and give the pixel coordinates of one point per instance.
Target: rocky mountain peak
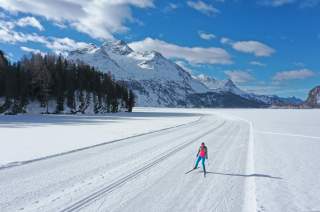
(229, 83)
(84, 50)
(117, 47)
(314, 97)
(219, 85)
(152, 55)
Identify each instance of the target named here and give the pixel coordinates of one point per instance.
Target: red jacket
(203, 152)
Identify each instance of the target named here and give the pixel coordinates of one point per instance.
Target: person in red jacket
(202, 155)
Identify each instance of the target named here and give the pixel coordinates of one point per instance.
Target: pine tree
(44, 78)
(131, 101)
(59, 84)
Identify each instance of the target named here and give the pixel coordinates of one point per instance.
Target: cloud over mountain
(239, 76)
(194, 55)
(293, 74)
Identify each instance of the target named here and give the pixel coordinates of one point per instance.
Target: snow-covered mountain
(219, 85)
(276, 100)
(157, 81)
(228, 86)
(313, 99)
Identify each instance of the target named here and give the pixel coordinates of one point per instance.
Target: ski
(190, 170)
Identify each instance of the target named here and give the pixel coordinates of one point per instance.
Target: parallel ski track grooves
(98, 194)
(21, 163)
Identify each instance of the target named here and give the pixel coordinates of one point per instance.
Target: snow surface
(286, 146)
(259, 160)
(27, 137)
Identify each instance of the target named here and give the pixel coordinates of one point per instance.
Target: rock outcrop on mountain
(313, 99)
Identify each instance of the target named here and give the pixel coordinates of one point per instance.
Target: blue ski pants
(198, 160)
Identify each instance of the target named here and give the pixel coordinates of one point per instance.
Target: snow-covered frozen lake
(259, 160)
(27, 137)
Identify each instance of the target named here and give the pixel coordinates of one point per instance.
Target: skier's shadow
(244, 175)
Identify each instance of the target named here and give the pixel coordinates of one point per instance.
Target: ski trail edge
(250, 201)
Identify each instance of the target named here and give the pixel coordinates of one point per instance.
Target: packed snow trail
(145, 173)
(286, 146)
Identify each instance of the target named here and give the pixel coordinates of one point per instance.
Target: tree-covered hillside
(57, 85)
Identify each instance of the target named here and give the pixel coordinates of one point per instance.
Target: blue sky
(265, 46)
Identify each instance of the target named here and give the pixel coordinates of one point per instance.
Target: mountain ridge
(158, 81)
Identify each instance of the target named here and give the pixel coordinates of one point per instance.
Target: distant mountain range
(157, 81)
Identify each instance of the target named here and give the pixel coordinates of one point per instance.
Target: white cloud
(57, 45)
(206, 36)
(194, 55)
(8, 25)
(60, 25)
(171, 7)
(293, 74)
(225, 40)
(31, 50)
(99, 19)
(63, 45)
(257, 48)
(276, 3)
(203, 7)
(30, 21)
(279, 3)
(7, 35)
(257, 63)
(239, 76)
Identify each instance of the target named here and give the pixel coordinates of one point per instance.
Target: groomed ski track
(142, 173)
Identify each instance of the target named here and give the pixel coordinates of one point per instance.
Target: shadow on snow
(29, 120)
(244, 175)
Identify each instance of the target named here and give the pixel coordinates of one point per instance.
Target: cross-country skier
(202, 155)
